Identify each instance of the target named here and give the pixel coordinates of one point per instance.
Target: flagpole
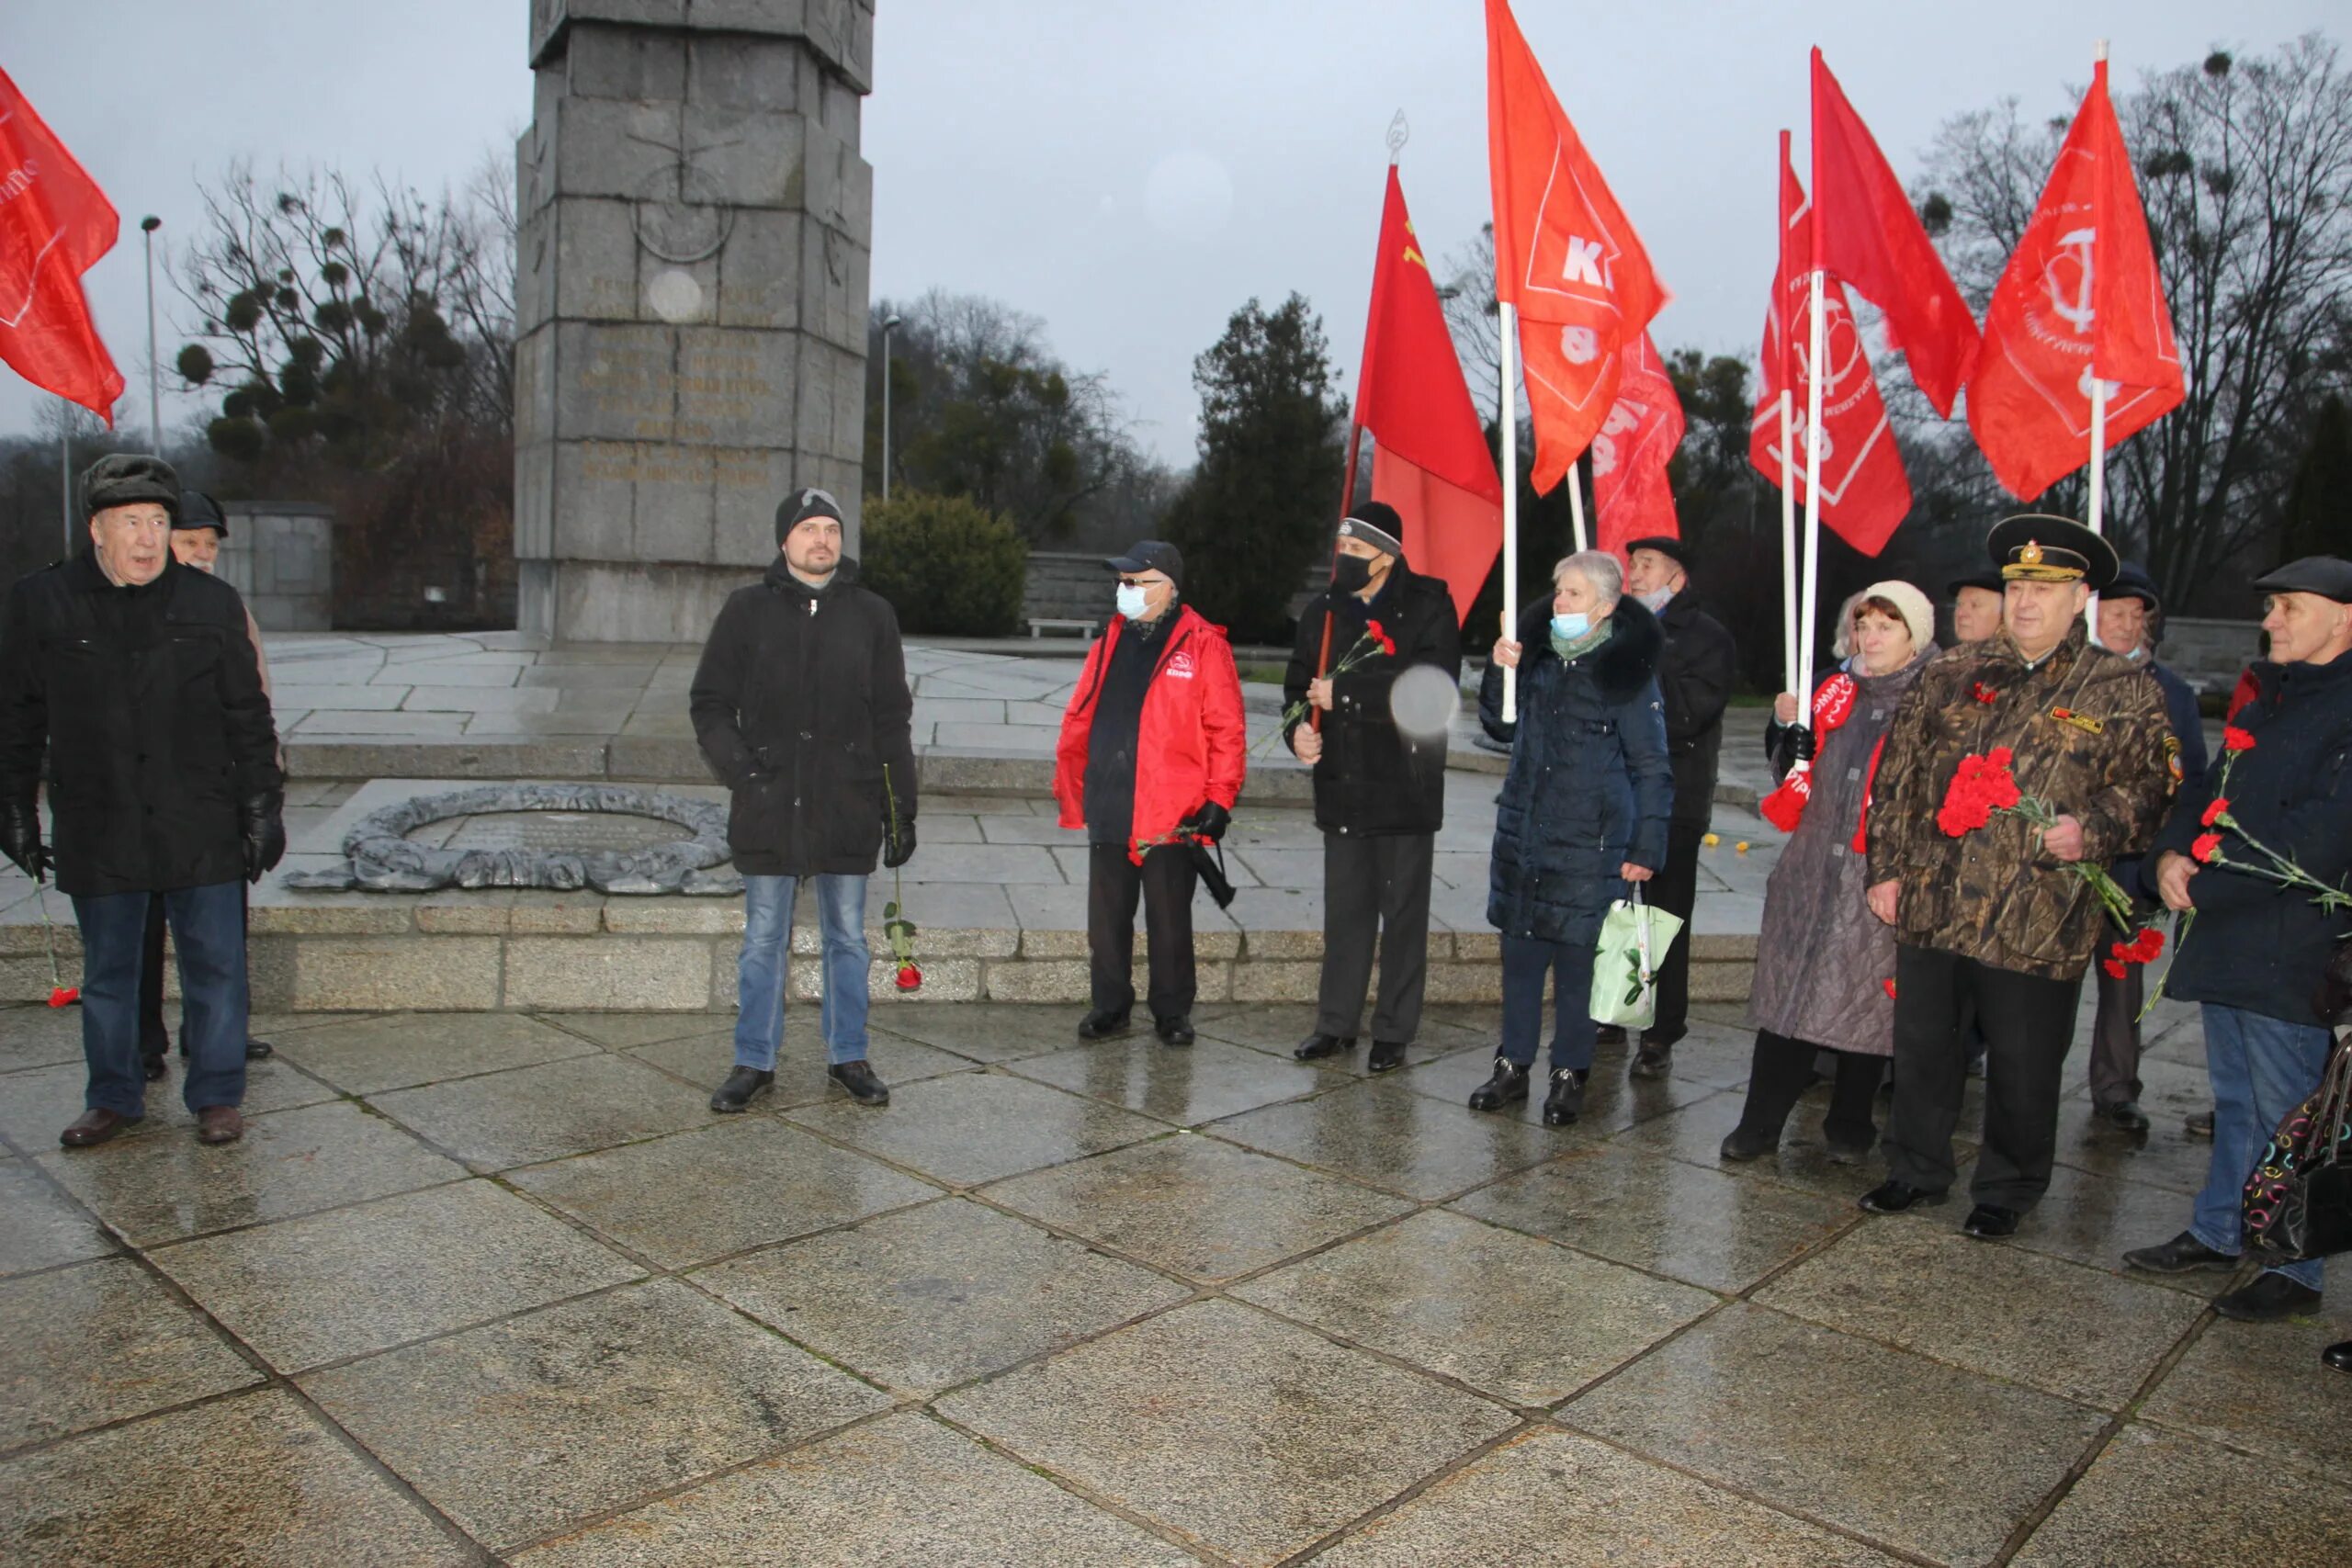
(65, 473)
(2098, 410)
(1511, 500)
(1816, 350)
(1576, 501)
(1789, 537)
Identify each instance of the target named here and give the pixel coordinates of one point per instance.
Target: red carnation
(2205, 848)
(2235, 740)
(64, 995)
(1888, 987)
(2148, 943)
(1982, 693)
(2113, 968)
(2213, 813)
(910, 978)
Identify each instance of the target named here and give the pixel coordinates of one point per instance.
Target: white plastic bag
(1633, 943)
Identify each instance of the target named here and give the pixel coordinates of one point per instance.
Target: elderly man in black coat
(1379, 786)
(134, 681)
(1695, 676)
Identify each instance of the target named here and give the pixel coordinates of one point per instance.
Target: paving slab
(1189, 1086)
(890, 1493)
(527, 1114)
(33, 1036)
(37, 1104)
(403, 1050)
(987, 1031)
(705, 1060)
(2155, 1498)
(977, 1127)
(928, 1298)
(2258, 1387)
(40, 1226)
(253, 1479)
(1612, 1102)
(1254, 1436)
(100, 1342)
(1197, 1207)
(522, 1429)
(1844, 1431)
(698, 1195)
(1383, 1135)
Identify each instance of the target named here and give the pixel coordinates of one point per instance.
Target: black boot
(2338, 1356)
(742, 1086)
(859, 1079)
(1103, 1025)
(154, 1066)
(259, 1050)
(1508, 1087)
(1315, 1047)
(1386, 1055)
(1652, 1061)
(1566, 1102)
(1175, 1031)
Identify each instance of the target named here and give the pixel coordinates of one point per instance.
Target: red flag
(1566, 257)
(2081, 289)
(1865, 232)
(1630, 493)
(54, 222)
(1430, 460)
(1864, 492)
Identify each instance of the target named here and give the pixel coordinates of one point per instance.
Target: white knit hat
(1918, 614)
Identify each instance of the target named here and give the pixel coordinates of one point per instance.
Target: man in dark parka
(1379, 789)
(801, 707)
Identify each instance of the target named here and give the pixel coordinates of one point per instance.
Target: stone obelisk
(692, 238)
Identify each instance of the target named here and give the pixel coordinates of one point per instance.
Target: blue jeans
(762, 972)
(1526, 961)
(2261, 1069)
(208, 933)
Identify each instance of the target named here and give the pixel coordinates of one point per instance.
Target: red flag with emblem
(54, 222)
(1864, 492)
(1429, 457)
(1565, 256)
(1865, 232)
(2081, 290)
(1631, 450)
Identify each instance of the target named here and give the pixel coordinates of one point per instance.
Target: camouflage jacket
(2089, 736)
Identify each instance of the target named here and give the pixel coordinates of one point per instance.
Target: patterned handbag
(2299, 1200)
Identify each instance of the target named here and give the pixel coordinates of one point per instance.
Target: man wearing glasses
(1150, 758)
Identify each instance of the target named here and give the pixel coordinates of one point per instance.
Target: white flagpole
(1576, 501)
(1511, 501)
(2099, 424)
(1816, 351)
(1788, 541)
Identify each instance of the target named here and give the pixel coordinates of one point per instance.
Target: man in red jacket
(1150, 755)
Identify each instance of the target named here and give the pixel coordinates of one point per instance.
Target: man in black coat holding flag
(1379, 786)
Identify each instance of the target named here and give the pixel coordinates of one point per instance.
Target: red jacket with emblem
(1190, 740)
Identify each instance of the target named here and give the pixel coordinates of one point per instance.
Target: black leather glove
(1800, 743)
(1209, 821)
(261, 820)
(21, 839)
(898, 841)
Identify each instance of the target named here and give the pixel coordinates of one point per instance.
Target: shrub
(945, 563)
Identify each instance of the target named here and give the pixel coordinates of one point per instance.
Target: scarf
(1570, 650)
(1833, 703)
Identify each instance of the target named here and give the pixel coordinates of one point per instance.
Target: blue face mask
(1569, 627)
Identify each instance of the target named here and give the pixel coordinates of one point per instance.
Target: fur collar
(1623, 665)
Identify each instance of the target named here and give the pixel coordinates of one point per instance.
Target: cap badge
(2029, 554)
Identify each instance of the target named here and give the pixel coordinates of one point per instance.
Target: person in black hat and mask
(136, 681)
(1150, 757)
(2257, 955)
(1695, 677)
(1379, 788)
(2128, 609)
(196, 533)
(1998, 914)
(801, 707)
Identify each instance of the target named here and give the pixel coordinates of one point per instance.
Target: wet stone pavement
(500, 1288)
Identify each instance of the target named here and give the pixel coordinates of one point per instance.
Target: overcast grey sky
(1128, 170)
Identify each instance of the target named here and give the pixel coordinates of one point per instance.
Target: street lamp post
(147, 226)
(889, 325)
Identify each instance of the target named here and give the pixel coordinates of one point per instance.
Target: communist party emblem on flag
(2081, 295)
(1632, 448)
(1864, 492)
(54, 222)
(1565, 256)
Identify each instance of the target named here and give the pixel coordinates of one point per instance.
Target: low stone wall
(531, 951)
(2209, 654)
(280, 555)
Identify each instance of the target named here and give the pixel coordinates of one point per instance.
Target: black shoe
(1743, 1146)
(2184, 1254)
(1103, 1025)
(259, 1050)
(1610, 1035)
(1566, 1102)
(1508, 1087)
(152, 1066)
(2199, 1126)
(859, 1079)
(1893, 1197)
(2338, 1356)
(1652, 1061)
(1174, 1030)
(1386, 1055)
(1315, 1047)
(2268, 1299)
(2125, 1114)
(1990, 1221)
(742, 1086)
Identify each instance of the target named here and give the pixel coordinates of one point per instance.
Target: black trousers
(2028, 1023)
(1675, 889)
(1781, 1070)
(1375, 892)
(2115, 1038)
(1165, 881)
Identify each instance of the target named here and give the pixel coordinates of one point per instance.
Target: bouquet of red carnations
(1983, 787)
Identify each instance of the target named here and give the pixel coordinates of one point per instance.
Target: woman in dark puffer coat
(1583, 812)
